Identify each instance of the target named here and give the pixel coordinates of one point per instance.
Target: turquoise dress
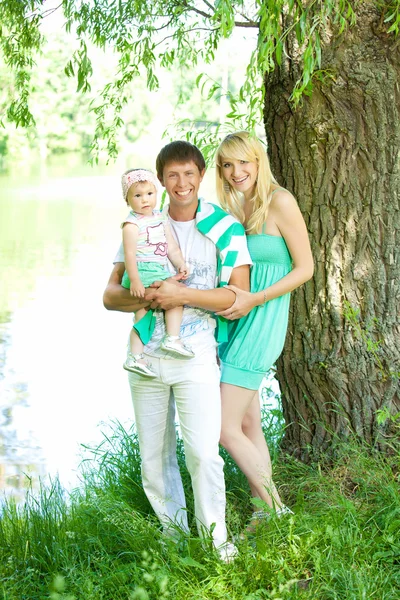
(256, 341)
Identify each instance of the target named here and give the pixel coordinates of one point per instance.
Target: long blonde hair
(243, 146)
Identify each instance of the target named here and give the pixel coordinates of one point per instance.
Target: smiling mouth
(239, 181)
(183, 194)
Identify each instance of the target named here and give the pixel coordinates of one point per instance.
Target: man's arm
(171, 293)
(116, 297)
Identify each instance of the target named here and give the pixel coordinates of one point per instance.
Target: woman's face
(241, 175)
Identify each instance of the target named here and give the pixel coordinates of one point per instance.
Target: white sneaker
(227, 552)
(283, 510)
(262, 516)
(175, 346)
(133, 365)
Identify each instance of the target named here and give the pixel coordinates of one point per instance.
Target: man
(214, 246)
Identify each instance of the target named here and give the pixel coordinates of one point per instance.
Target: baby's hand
(184, 271)
(137, 289)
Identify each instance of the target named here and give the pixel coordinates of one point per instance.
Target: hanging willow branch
(149, 34)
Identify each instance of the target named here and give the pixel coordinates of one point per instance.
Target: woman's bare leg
(249, 455)
(251, 427)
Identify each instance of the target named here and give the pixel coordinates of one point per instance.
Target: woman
(279, 247)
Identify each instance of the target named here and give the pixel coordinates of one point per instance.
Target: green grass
(103, 543)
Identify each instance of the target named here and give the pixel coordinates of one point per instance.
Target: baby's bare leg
(135, 342)
(173, 320)
(173, 343)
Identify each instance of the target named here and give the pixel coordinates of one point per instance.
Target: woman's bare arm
(290, 223)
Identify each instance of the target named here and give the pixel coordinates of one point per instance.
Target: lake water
(61, 352)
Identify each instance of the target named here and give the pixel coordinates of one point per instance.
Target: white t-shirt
(198, 325)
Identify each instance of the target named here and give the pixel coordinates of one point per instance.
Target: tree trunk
(339, 153)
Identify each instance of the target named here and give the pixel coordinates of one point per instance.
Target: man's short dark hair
(180, 152)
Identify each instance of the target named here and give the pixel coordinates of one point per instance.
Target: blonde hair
(243, 146)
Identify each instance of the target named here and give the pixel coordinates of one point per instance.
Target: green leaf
(188, 561)
(394, 526)
(278, 52)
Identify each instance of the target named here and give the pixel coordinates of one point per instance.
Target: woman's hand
(243, 304)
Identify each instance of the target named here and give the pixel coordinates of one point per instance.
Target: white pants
(196, 394)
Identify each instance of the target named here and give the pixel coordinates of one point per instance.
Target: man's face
(182, 182)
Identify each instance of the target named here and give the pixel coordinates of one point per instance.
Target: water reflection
(60, 351)
(17, 456)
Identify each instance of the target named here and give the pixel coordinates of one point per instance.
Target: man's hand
(165, 294)
(169, 293)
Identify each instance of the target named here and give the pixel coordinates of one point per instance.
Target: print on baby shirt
(151, 242)
(156, 237)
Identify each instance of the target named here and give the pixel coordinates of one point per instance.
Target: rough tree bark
(339, 153)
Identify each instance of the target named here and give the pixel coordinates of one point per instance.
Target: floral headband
(136, 176)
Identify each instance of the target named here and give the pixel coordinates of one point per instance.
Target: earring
(227, 187)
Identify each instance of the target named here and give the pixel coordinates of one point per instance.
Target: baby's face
(142, 197)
